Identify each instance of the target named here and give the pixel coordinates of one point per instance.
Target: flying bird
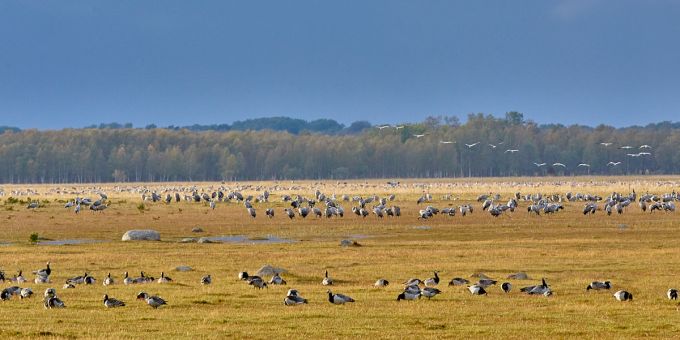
(645, 146)
(492, 146)
(539, 164)
(583, 164)
(613, 163)
(470, 146)
(419, 136)
(511, 150)
(626, 147)
(559, 164)
(383, 127)
(446, 142)
(606, 143)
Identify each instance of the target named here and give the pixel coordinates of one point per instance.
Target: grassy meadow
(637, 251)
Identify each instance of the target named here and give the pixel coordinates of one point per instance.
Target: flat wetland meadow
(637, 251)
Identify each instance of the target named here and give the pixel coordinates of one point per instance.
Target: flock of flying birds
(413, 288)
(627, 148)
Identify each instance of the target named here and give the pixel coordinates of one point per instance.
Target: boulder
(141, 235)
(268, 270)
(183, 269)
(188, 240)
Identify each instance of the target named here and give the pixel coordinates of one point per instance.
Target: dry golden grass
(569, 249)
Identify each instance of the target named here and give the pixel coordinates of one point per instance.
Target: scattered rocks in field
(519, 276)
(268, 270)
(349, 243)
(183, 268)
(196, 230)
(204, 240)
(188, 240)
(141, 235)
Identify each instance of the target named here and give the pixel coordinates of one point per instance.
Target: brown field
(637, 251)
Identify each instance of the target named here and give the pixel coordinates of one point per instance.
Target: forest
(437, 147)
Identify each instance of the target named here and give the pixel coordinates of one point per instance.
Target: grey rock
(141, 235)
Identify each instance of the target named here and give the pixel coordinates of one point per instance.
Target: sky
(77, 63)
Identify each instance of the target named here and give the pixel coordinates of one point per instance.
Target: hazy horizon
(588, 62)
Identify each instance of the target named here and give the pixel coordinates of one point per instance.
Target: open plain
(637, 251)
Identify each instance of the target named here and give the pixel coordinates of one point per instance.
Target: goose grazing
(433, 281)
(458, 281)
(486, 282)
(430, 292)
(413, 282)
(42, 279)
(19, 278)
(243, 276)
(477, 290)
(257, 282)
(338, 299)
(327, 281)
(127, 280)
(277, 280)
(25, 293)
(77, 280)
(206, 280)
(408, 296)
(108, 280)
(153, 301)
(623, 295)
(293, 298)
(381, 283)
(7, 293)
(112, 303)
(672, 294)
(89, 280)
(164, 279)
(69, 285)
(51, 300)
(542, 289)
(506, 287)
(45, 272)
(597, 285)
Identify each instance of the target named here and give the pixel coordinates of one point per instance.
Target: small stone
(349, 243)
(183, 269)
(188, 240)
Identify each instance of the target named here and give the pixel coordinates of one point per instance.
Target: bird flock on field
(411, 289)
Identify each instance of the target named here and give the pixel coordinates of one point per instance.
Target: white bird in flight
(633, 155)
(644, 153)
(645, 146)
(399, 127)
(626, 147)
(383, 127)
(613, 163)
(511, 150)
(471, 145)
(446, 142)
(584, 164)
(492, 146)
(606, 143)
(559, 164)
(419, 136)
(539, 164)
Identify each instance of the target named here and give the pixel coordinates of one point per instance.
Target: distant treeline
(433, 148)
(291, 125)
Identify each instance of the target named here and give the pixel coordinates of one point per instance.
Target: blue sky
(76, 63)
